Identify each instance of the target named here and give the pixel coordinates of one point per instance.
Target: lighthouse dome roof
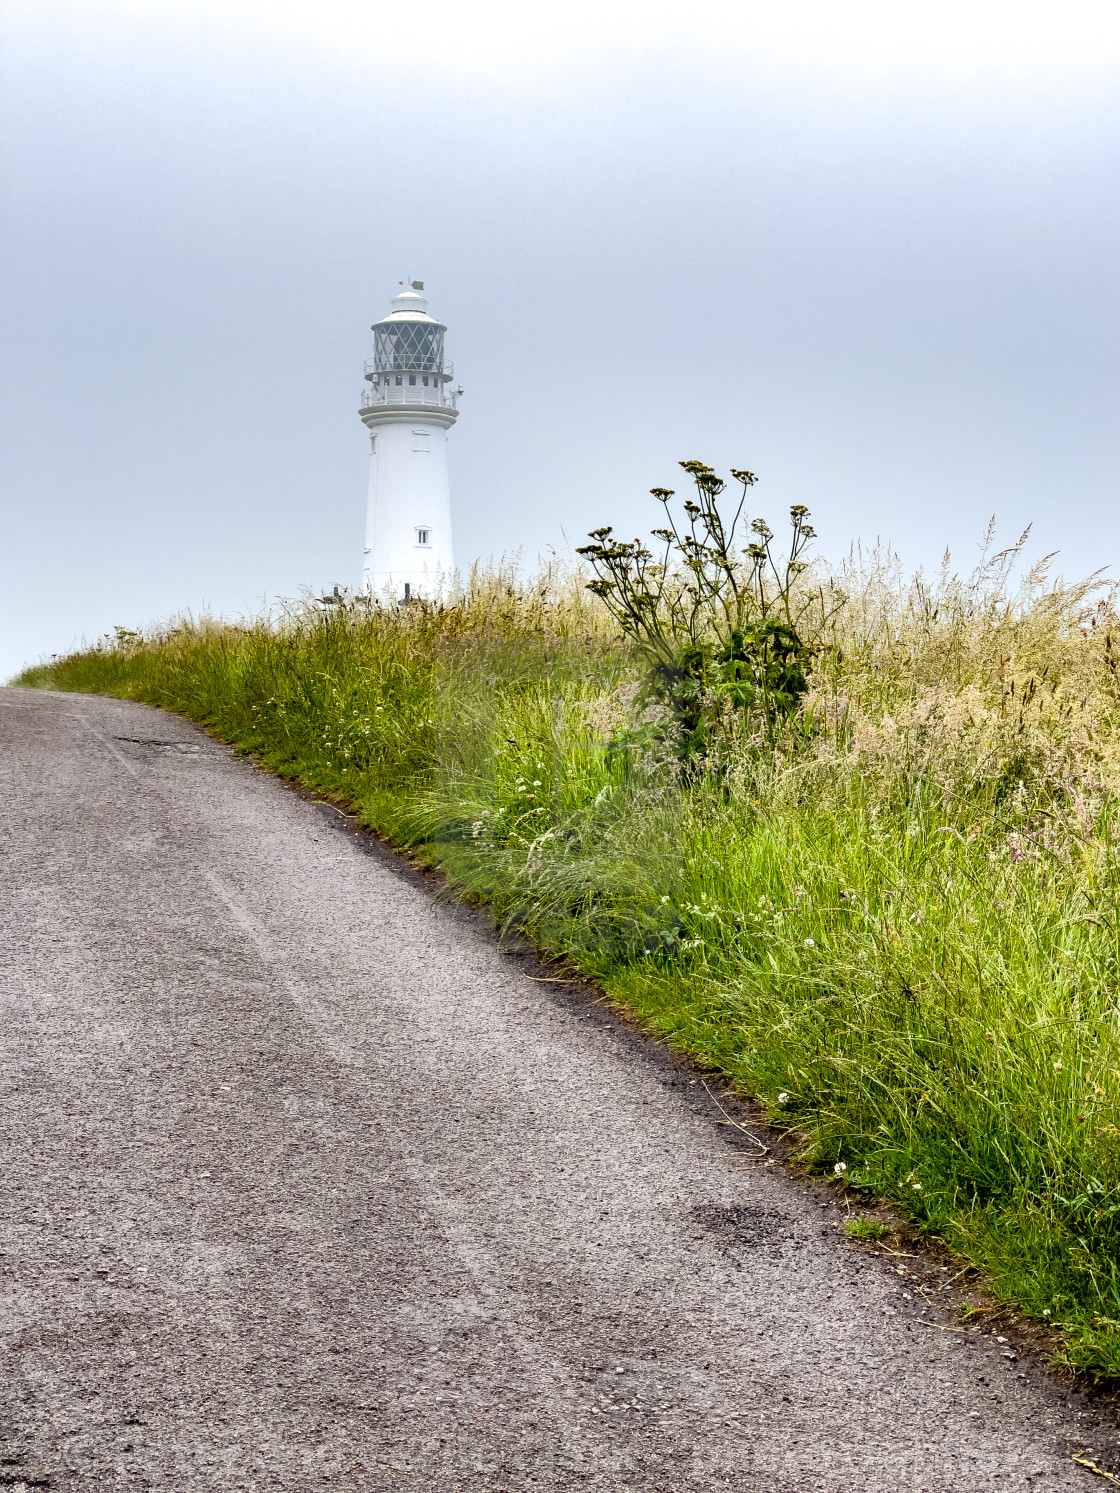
(409, 305)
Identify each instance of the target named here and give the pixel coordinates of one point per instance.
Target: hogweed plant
(718, 618)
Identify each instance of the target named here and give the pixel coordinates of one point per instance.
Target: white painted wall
(408, 492)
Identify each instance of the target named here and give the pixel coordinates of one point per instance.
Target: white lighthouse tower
(408, 409)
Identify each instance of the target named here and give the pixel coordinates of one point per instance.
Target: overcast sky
(867, 250)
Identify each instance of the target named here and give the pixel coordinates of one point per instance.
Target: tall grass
(902, 936)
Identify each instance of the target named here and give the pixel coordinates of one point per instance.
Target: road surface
(307, 1184)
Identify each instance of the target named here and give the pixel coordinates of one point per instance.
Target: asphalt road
(305, 1183)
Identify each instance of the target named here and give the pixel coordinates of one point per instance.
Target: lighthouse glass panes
(409, 345)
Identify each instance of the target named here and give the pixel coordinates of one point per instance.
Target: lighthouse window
(420, 440)
(424, 380)
(399, 380)
(405, 345)
(422, 536)
(412, 379)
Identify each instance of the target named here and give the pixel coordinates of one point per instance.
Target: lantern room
(408, 340)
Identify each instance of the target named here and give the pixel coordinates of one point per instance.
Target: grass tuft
(867, 1228)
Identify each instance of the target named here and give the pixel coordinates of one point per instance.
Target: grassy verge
(902, 937)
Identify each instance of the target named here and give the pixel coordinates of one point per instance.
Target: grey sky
(876, 265)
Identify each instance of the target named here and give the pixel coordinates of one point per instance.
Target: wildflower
(1014, 846)
(799, 891)
(1045, 1311)
(1057, 1067)
(917, 1186)
(840, 1168)
(809, 944)
(783, 1098)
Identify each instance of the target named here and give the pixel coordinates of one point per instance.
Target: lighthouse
(408, 408)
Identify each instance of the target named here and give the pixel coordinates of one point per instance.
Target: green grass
(867, 1228)
(903, 939)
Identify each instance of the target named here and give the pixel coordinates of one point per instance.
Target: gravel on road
(307, 1184)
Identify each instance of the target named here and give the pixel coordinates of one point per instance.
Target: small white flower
(783, 1098)
(1057, 1067)
(809, 944)
(917, 1186)
(840, 1168)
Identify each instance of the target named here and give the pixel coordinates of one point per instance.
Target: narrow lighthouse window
(420, 440)
(422, 536)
